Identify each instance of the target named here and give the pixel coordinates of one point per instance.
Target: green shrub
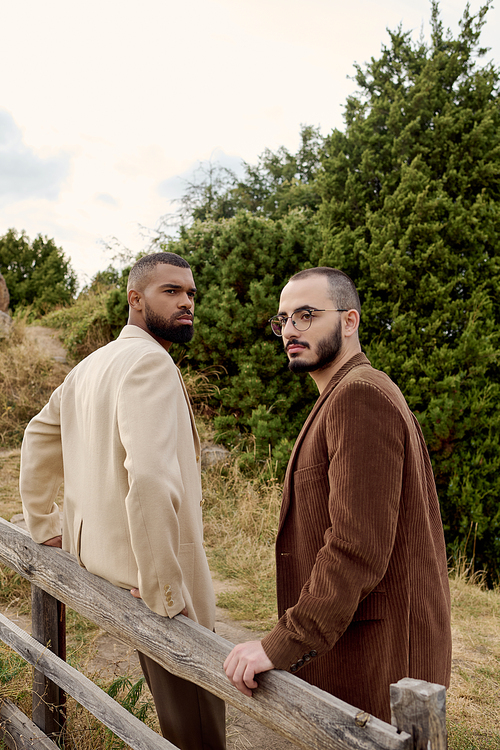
(37, 272)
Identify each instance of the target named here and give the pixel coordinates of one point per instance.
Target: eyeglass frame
(284, 319)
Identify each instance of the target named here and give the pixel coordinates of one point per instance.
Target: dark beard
(328, 350)
(167, 330)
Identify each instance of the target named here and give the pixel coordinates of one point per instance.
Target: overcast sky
(106, 104)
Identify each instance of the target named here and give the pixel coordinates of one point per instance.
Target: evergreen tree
(37, 272)
(280, 182)
(411, 212)
(406, 201)
(239, 265)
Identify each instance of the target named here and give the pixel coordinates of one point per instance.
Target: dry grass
(10, 502)
(83, 730)
(473, 706)
(83, 326)
(240, 520)
(240, 514)
(27, 378)
(240, 525)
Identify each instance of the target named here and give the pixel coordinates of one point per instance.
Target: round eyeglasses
(301, 319)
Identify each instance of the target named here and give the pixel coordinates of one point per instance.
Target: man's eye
(306, 315)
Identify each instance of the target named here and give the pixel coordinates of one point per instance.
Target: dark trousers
(190, 717)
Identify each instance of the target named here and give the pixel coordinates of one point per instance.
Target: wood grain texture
(18, 732)
(118, 719)
(48, 627)
(304, 714)
(419, 708)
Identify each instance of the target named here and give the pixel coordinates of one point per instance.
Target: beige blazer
(120, 432)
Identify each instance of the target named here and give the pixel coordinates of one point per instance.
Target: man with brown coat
(363, 595)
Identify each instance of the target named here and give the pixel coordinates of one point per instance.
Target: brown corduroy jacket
(363, 594)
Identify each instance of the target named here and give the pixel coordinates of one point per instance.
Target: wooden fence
(307, 716)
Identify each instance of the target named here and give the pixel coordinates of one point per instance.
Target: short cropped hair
(141, 272)
(341, 289)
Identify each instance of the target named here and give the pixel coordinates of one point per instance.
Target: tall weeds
(240, 519)
(27, 378)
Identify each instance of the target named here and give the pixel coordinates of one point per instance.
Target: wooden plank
(304, 714)
(48, 627)
(130, 729)
(18, 732)
(419, 708)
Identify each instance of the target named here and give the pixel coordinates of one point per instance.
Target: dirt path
(47, 339)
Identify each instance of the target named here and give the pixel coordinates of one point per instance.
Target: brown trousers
(190, 717)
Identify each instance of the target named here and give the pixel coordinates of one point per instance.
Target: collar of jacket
(356, 361)
(135, 332)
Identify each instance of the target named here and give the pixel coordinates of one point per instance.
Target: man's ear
(135, 299)
(351, 322)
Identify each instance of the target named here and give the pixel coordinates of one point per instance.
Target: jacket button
(307, 657)
(300, 663)
(313, 653)
(293, 668)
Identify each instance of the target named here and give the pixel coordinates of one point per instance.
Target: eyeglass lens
(300, 319)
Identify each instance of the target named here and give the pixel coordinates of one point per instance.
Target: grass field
(240, 515)
(240, 521)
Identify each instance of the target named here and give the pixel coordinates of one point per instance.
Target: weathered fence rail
(307, 716)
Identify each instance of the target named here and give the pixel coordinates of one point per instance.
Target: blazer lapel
(358, 359)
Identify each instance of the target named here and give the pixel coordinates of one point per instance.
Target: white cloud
(107, 199)
(116, 102)
(24, 174)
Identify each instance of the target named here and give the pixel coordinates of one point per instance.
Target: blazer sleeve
(42, 471)
(149, 403)
(362, 486)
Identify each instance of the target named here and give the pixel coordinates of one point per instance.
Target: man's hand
(137, 594)
(56, 541)
(244, 662)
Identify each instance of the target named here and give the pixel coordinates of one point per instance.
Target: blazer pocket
(373, 607)
(314, 473)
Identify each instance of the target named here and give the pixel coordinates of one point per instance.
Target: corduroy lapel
(358, 359)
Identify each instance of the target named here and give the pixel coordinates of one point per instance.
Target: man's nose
(289, 331)
(186, 301)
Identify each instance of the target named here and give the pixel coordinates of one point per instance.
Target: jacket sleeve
(362, 486)
(42, 471)
(150, 404)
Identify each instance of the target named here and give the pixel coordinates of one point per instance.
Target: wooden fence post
(419, 708)
(48, 627)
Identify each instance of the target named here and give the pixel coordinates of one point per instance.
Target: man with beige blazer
(363, 595)
(121, 434)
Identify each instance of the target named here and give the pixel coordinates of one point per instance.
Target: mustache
(292, 342)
